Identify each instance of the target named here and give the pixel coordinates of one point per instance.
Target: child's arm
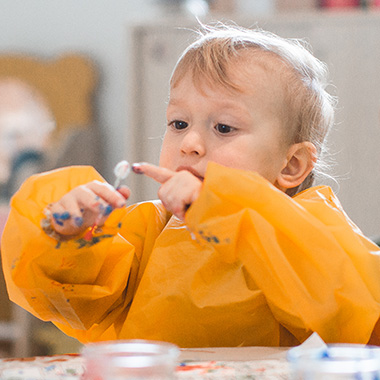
(75, 283)
(314, 267)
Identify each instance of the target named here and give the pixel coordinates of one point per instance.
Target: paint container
(335, 362)
(130, 359)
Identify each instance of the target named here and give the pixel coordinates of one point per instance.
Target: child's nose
(193, 143)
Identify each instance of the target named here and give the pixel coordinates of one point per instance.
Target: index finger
(155, 172)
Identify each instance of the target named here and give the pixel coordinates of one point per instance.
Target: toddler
(239, 250)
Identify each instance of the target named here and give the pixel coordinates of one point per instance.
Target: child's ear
(300, 161)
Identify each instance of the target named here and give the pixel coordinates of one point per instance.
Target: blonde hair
(304, 79)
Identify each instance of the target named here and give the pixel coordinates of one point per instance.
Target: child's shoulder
(321, 191)
(319, 194)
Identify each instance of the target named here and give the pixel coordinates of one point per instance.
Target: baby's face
(239, 129)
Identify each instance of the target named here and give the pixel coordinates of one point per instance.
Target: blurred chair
(46, 121)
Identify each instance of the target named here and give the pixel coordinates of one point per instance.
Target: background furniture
(67, 85)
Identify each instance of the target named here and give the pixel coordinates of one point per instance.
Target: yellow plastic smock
(250, 266)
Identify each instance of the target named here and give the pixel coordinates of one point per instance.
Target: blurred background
(85, 82)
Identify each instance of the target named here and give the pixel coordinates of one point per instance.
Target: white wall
(98, 28)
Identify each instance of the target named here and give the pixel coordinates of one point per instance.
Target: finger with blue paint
(85, 206)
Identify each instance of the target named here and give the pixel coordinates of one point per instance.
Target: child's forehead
(247, 66)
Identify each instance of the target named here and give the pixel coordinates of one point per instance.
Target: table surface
(257, 363)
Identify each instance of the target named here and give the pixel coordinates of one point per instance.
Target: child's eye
(179, 124)
(223, 128)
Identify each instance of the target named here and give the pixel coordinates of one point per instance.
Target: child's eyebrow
(227, 104)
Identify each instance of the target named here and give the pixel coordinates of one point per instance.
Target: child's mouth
(191, 170)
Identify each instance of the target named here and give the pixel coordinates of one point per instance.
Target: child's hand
(178, 189)
(85, 206)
